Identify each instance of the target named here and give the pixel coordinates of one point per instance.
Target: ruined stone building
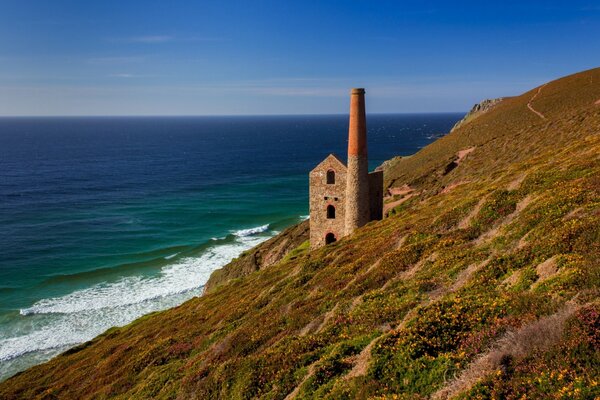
(345, 197)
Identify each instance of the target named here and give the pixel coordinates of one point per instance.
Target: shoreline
(85, 306)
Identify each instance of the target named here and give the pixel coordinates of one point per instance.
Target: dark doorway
(330, 212)
(330, 238)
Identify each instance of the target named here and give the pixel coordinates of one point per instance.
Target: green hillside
(483, 282)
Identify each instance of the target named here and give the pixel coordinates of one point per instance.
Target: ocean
(104, 219)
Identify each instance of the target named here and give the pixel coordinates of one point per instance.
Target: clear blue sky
(281, 57)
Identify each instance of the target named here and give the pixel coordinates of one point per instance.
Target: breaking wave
(251, 231)
(60, 322)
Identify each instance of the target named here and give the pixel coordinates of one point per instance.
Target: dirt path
(388, 206)
(539, 114)
(294, 393)
(362, 361)
(463, 153)
(401, 191)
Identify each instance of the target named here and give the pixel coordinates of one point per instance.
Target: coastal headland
(482, 281)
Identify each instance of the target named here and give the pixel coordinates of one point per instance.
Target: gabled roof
(335, 160)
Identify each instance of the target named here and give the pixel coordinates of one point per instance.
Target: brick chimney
(357, 178)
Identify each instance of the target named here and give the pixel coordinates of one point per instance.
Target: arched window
(330, 212)
(330, 238)
(330, 177)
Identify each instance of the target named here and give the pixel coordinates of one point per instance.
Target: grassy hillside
(482, 283)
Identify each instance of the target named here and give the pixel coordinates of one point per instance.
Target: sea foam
(61, 322)
(251, 231)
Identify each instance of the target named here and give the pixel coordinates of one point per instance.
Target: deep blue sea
(105, 219)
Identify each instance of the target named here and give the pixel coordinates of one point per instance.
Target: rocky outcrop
(262, 256)
(477, 110)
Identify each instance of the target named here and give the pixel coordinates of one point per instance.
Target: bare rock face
(477, 110)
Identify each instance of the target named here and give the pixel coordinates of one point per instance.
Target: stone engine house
(345, 197)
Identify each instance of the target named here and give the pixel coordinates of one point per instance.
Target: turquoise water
(105, 219)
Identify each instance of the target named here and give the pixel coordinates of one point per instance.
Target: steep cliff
(483, 283)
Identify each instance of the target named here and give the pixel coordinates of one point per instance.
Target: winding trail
(539, 114)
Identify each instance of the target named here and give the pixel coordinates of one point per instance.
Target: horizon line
(218, 115)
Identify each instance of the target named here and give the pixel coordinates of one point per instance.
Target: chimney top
(357, 129)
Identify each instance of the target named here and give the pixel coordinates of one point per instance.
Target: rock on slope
(484, 284)
(478, 109)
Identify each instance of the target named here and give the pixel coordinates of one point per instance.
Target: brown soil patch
(576, 213)
(460, 156)
(313, 292)
(463, 153)
(388, 206)
(546, 270)
(294, 393)
(516, 183)
(401, 241)
(357, 300)
(409, 273)
(328, 316)
(464, 224)
(360, 276)
(524, 203)
(597, 102)
(452, 186)
(405, 191)
(401, 191)
(312, 326)
(492, 233)
(513, 278)
(362, 361)
(464, 275)
(523, 241)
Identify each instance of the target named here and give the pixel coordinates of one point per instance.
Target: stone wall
(376, 195)
(321, 195)
(357, 193)
(357, 185)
